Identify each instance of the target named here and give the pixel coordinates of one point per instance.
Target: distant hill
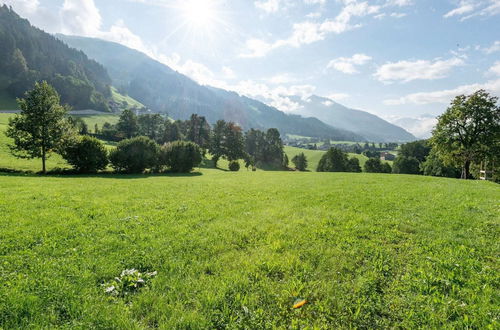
(164, 90)
(373, 128)
(28, 54)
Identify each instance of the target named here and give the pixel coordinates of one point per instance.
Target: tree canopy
(41, 125)
(469, 131)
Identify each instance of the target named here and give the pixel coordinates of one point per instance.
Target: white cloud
(314, 2)
(348, 64)
(466, 9)
(228, 73)
(495, 47)
(398, 15)
(338, 96)
(278, 97)
(23, 7)
(269, 6)
(308, 32)
(444, 96)
(421, 126)
(399, 3)
(80, 17)
(406, 71)
(284, 78)
(495, 69)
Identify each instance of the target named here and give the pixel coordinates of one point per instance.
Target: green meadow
(236, 250)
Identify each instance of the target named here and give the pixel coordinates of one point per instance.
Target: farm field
(237, 249)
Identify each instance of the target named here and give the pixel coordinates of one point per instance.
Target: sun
(199, 14)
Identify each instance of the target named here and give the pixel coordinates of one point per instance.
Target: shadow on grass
(105, 175)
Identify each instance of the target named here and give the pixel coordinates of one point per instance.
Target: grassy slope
(314, 156)
(7, 161)
(119, 98)
(236, 249)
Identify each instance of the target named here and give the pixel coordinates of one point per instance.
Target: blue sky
(394, 58)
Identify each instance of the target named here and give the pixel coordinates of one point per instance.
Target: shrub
(375, 165)
(135, 155)
(181, 156)
(353, 165)
(234, 166)
(300, 162)
(86, 154)
(406, 165)
(334, 160)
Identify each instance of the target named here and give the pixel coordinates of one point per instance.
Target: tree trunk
(44, 170)
(466, 170)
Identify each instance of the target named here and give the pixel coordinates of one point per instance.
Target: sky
(394, 58)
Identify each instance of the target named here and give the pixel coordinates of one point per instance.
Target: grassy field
(235, 250)
(314, 156)
(119, 98)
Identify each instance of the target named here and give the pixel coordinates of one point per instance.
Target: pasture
(236, 250)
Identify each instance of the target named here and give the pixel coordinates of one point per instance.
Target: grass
(234, 250)
(91, 120)
(314, 156)
(120, 98)
(7, 161)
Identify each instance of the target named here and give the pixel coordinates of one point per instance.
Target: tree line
(466, 137)
(148, 141)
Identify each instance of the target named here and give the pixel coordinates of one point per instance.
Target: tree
(227, 141)
(375, 165)
(334, 160)
(353, 165)
(469, 131)
(234, 143)
(180, 156)
(128, 125)
(86, 154)
(151, 125)
(217, 141)
(406, 165)
(41, 125)
(300, 161)
(171, 132)
(135, 155)
(234, 166)
(434, 166)
(256, 145)
(198, 131)
(418, 149)
(274, 153)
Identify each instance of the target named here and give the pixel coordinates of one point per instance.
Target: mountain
(371, 127)
(28, 54)
(166, 91)
(421, 126)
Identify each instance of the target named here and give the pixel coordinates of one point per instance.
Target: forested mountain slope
(29, 54)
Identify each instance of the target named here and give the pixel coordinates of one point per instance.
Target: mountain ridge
(372, 127)
(167, 91)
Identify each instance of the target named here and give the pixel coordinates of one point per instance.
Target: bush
(180, 156)
(353, 165)
(300, 162)
(135, 155)
(406, 165)
(234, 166)
(86, 154)
(334, 160)
(375, 165)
